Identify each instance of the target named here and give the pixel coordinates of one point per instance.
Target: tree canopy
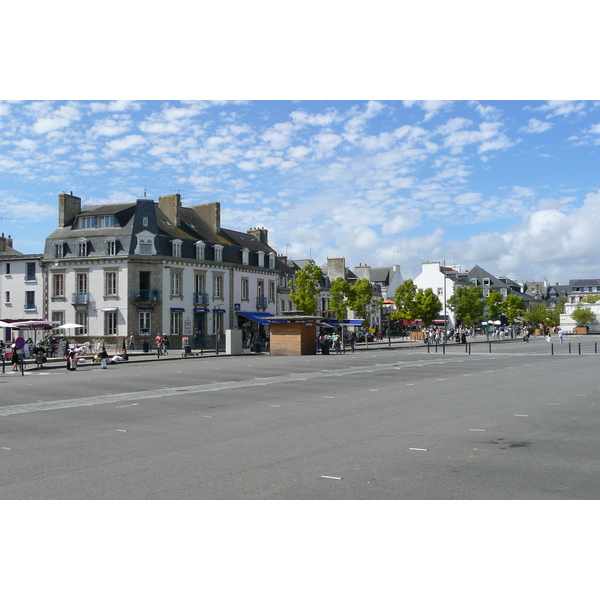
(405, 301)
(467, 304)
(583, 316)
(428, 306)
(494, 305)
(305, 292)
(513, 307)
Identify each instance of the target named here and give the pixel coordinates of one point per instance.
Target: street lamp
(387, 308)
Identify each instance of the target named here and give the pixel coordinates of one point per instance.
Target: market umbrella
(69, 326)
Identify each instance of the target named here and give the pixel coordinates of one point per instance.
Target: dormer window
(218, 253)
(145, 243)
(245, 256)
(200, 246)
(59, 249)
(107, 221)
(82, 247)
(486, 282)
(176, 248)
(271, 260)
(111, 247)
(261, 258)
(87, 222)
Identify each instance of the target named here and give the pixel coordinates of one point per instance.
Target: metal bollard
(490, 344)
(469, 344)
(569, 347)
(427, 347)
(552, 348)
(443, 348)
(579, 348)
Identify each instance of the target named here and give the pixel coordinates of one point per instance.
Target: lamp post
(387, 309)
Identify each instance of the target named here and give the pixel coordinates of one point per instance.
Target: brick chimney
(170, 205)
(261, 234)
(5, 244)
(69, 207)
(211, 214)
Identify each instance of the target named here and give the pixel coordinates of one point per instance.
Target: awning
(109, 309)
(356, 322)
(174, 309)
(258, 317)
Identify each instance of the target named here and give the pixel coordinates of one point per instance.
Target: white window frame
(110, 322)
(176, 248)
(218, 253)
(245, 256)
(82, 248)
(261, 258)
(271, 291)
(176, 320)
(200, 248)
(176, 283)
(58, 285)
(245, 288)
(271, 260)
(81, 318)
(111, 247)
(217, 286)
(110, 283)
(145, 321)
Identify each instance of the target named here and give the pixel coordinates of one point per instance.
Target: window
(30, 272)
(7, 297)
(58, 285)
(261, 258)
(176, 284)
(245, 256)
(282, 305)
(29, 300)
(199, 284)
(87, 222)
(82, 248)
(176, 248)
(82, 282)
(110, 283)
(245, 289)
(176, 323)
(58, 318)
(217, 286)
(218, 250)
(110, 323)
(486, 282)
(7, 271)
(200, 250)
(145, 325)
(107, 221)
(440, 291)
(111, 247)
(260, 288)
(59, 250)
(145, 247)
(271, 291)
(144, 221)
(81, 318)
(271, 260)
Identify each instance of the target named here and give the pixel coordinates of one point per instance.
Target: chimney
(261, 234)
(69, 207)
(336, 267)
(211, 214)
(363, 272)
(170, 205)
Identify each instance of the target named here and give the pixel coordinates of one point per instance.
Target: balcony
(80, 298)
(29, 306)
(144, 295)
(200, 298)
(261, 302)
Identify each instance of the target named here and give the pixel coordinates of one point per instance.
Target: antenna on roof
(6, 219)
(144, 192)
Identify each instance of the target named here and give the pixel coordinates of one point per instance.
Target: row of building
(150, 267)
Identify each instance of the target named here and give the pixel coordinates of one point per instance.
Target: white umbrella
(69, 326)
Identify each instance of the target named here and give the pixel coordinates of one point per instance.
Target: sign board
(187, 326)
(62, 348)
(20, 343)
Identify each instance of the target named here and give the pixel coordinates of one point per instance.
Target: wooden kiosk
(292, 334)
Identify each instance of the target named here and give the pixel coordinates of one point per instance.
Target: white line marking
(276, 405)
(330, 397)
(373, 390)
(330, 477)
(5, 448)
(123, 430)
(521, 415)
(207, 417)
(477, 429)
(420, 449)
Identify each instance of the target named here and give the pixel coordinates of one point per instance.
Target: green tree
(538, 314)
(513, 307)
(361, 298)
(428, 306)
(467, 304)
(305, 292)
(590, 299)
(405, 301)
(494, 305)
(583, 316)
(339, 301)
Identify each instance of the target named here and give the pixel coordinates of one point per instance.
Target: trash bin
(187, 349)
(145, 346)
(257, 347)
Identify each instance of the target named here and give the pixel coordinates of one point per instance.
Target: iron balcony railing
(261, 302)
(80, 298)
(200, 298)
(144, 296)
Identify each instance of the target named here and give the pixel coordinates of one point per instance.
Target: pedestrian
(103, 357)
(353, 341)
(72, 359)
(15, 358)
(337, 343)
(166, 344)
(159, 340)
(131, 342)
(40, 355)
(560, 336)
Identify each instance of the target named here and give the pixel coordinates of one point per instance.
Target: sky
(510, 185)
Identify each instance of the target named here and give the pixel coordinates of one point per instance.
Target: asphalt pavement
(399, 422)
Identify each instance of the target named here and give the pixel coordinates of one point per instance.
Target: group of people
(162, 344)
(326, 341)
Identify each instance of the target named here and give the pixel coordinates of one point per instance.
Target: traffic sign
(20, 343)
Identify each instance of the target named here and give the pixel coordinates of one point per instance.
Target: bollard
(443, 348)
(469, 344)
(595, 347)
(552, 348)
(427, 347)
(3, 359)
(579, 348)
(569, 347)
(490, 344)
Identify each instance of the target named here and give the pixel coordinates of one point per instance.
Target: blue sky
(511, 185)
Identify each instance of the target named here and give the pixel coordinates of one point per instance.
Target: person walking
(131, 342)
(560, 336)
(40, 355)
(166, 344)
(103, 357)
(337, 343)
(353, 341)
(159, 340)
(15, 358)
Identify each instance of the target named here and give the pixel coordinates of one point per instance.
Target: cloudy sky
(513, 186)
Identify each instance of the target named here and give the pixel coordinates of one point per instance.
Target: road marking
(441, 380)
(373, 390)
(330, 477)
(419, 449)
(521, 415)
(410, 384)
(122, 430)
(207, 417)
(276, 405)
(330, 397)
(477, 429)
(5, 448)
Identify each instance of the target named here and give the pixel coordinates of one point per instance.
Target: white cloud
(561, 107)
(324, 143)
(108, 128)
(522, 192)
(115, 106)
(536, 126)
(61, 117)
(127, 142)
